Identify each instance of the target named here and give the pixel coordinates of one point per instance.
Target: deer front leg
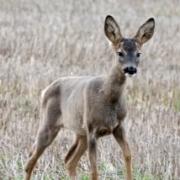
(119, 135)
(92, 154)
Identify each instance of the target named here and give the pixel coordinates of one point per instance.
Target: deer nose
(130, 70)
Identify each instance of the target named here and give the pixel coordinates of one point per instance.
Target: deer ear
(146, 31)
(112, 30)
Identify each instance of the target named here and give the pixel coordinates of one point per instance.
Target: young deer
(91, 106)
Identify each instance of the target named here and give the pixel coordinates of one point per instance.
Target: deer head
(128, 49)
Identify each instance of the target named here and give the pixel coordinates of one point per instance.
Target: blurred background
(42, 40)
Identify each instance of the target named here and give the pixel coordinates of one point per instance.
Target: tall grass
(43, 40)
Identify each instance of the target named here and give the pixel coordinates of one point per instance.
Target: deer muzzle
(130, 70)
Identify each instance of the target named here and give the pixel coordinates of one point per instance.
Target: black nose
(130, 70)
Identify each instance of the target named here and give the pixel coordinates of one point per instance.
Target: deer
(91, 106)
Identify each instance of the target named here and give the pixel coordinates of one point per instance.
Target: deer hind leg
(45, 136)
(74, 155)
(71, 151)
(121, 139)
(92, 150)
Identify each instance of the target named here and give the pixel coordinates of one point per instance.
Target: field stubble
(43, 40)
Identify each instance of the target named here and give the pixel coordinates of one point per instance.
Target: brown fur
(70, 152)
(91, 106)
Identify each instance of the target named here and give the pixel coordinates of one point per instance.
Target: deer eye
(138, 55)
(120, 54)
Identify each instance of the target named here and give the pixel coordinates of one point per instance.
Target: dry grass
(42, 40)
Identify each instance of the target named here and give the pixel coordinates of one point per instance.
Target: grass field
(42, 40)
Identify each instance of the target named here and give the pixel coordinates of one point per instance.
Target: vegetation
(43, 40)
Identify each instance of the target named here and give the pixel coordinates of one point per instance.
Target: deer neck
(113, 85)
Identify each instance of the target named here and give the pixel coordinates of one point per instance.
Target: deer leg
(71, 151)
(74, 155)
(119, 135)
(44, 139)
(45, 136)
(93, 155)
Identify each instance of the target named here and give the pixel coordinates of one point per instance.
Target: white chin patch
(130, 75)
